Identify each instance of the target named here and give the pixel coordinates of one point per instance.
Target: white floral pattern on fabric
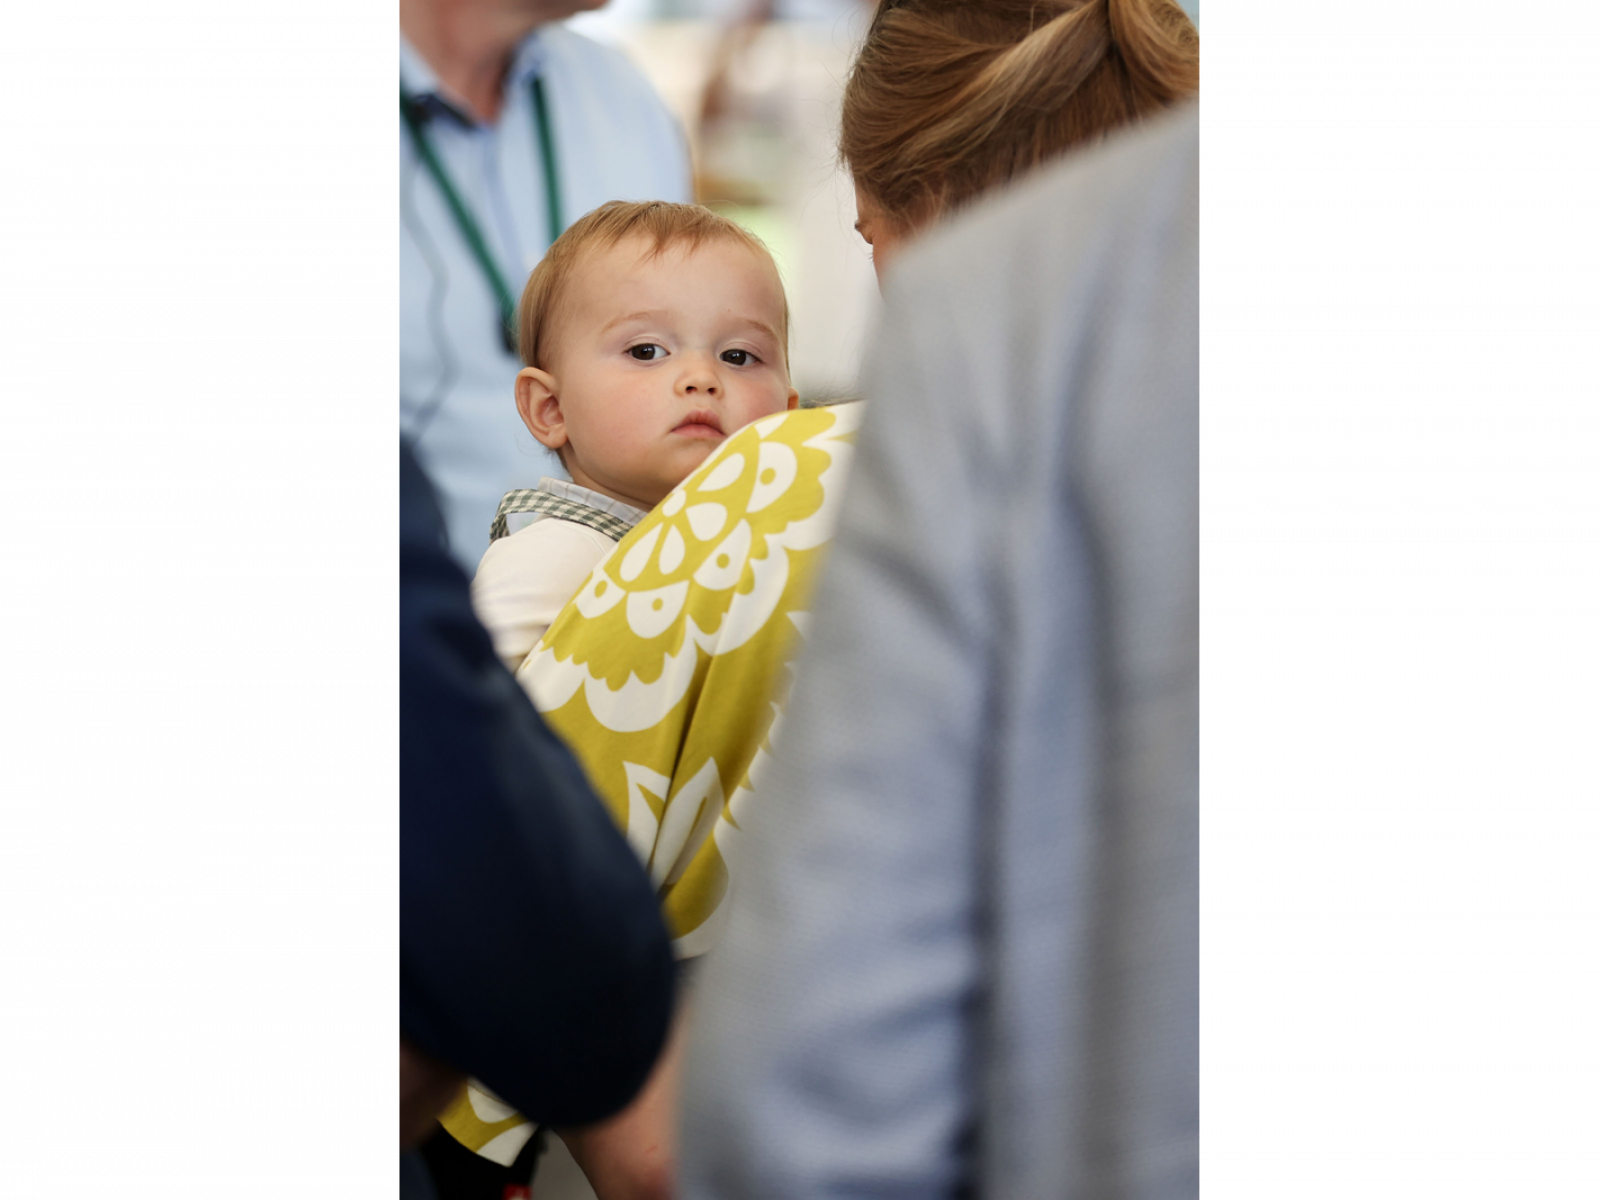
(667, 673)
(487, 1125)
(667, 670)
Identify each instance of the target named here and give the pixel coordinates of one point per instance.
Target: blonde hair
(662, 223)
(950, 97)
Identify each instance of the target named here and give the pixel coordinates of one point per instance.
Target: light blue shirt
(613, 140)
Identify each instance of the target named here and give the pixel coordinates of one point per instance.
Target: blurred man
(963, 956)
(511, 128)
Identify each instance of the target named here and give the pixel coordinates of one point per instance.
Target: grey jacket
(963, 954)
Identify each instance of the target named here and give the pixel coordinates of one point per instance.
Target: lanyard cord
(410, 113)
(547, 156)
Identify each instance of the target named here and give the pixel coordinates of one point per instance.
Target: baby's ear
(540, 407)
(794, 399)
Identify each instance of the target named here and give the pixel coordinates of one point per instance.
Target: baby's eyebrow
(762, 326)
(656, 314)
(651, 315)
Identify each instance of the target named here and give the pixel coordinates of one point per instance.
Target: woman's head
(949, 98)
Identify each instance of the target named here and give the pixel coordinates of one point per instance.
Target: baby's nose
(699, 379)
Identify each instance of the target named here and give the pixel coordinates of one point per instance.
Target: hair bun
(948, 98)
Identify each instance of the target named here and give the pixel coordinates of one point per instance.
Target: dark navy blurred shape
(532, 951)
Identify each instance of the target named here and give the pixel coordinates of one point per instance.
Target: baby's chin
(697, 450)
(688, 459)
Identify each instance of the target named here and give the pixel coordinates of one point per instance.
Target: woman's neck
(469, 46)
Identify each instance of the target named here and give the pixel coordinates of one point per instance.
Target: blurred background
(756, 85)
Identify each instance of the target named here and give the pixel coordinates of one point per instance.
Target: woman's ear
(540, 407)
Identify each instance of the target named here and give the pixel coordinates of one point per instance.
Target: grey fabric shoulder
(1075, 310)
(963, 957)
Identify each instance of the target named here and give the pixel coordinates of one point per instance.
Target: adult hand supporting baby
(634, 1155)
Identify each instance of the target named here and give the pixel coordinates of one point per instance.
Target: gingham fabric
(570, 502)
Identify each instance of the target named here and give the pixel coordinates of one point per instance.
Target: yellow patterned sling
(667, 673)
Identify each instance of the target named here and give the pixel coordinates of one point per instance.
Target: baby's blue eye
(647, 351)
(738, 358)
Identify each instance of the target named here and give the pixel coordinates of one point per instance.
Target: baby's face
(657, 360)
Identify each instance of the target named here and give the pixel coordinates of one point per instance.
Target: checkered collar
(567, 501)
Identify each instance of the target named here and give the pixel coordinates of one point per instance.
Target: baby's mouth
(701, 423)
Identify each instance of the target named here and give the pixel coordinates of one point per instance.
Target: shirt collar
(565, 489)
(528, 59)
(421, 82)
(416, 76)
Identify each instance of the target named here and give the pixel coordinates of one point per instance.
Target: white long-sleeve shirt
(526, 578)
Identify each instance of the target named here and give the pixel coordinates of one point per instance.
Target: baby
(651, 332)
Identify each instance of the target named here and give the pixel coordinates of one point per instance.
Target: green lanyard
(409, 112)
